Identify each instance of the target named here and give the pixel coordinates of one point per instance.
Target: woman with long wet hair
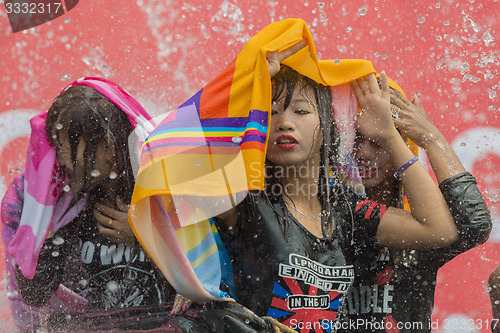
(70, 245)
(291, 227)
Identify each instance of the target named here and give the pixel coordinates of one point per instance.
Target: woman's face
(84, 178)
(295, 135)
(373, 161)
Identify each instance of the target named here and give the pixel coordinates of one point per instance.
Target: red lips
(286, 141)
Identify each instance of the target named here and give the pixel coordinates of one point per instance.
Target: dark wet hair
(284, 83)
(86, 114)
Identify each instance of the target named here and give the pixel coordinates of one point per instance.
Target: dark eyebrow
(302, 100)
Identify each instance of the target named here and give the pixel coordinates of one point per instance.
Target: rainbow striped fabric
(206, 155)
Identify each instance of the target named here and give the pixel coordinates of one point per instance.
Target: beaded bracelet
(405, 166)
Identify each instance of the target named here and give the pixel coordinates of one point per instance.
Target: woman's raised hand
(113, 223)
(274, 59)
(375, 121)
(412, 120)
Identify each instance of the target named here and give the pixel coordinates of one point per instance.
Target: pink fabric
(120, 97)
(44, 181)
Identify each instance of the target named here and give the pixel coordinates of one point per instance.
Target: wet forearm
(426, 200)
(444, 161)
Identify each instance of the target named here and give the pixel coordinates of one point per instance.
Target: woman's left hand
(412, 120)
(113, 223)
(375, 120)
(274, 59)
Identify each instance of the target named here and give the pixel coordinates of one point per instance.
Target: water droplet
(463, 144)
(487, 38)
(198, 163)
(59, 126)
(421, 19)
(236, 139)
(112, 286)
(383, 56)
(321, 4)
(446, 23)
(66, 188)
(13, 293)
(113, 175)
(438, 5)
(439, 38)
(58, 240)
(471, 78)
(19, 169)
(95, 173)
(65, 77)
(362, 11)
(377, 54)
(491, 93)
(349, 29)
(55, 254)
(336, 61)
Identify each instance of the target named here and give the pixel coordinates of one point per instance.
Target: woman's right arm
(459, 188)
(48, 276)
(37, 291)
(430, 224)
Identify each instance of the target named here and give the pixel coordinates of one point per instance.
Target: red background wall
(164, 51)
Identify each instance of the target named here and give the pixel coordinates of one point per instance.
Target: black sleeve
(49, 271)
(470, 213)
(367, 216)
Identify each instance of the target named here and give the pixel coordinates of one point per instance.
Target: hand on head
(412, 120)
(375, 121)
(274, 59)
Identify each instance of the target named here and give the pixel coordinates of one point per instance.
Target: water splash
(487, 38)
(65, 77)
(362, 11)
(491, 93)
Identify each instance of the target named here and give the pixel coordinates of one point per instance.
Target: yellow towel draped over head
(203, 158)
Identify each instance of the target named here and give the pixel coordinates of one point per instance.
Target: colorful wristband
(405, 166)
